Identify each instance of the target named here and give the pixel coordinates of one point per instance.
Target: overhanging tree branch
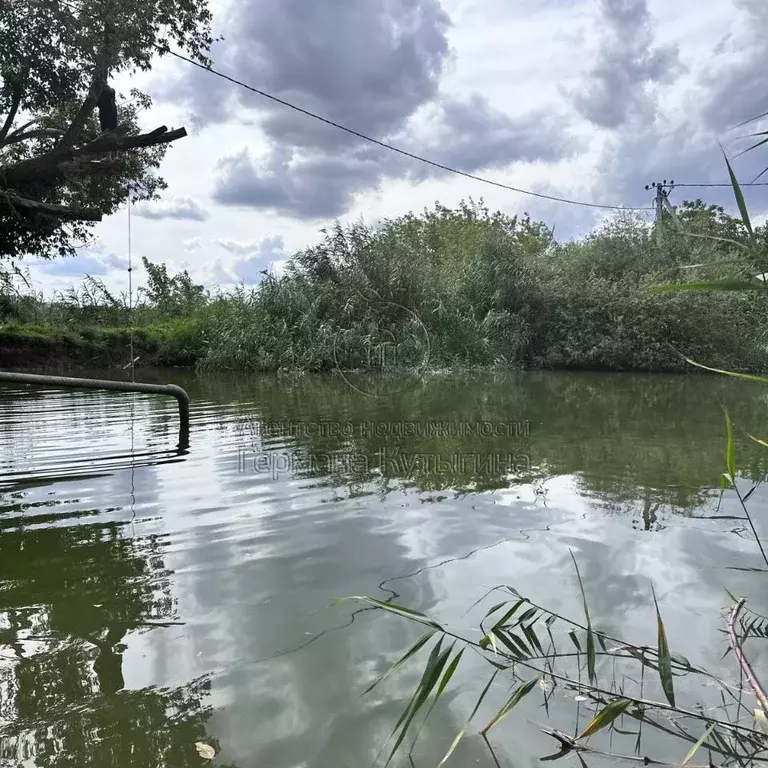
(58, 165)
(51, 209)
(39, 133)
(115, 142)
(24, 127)
(16, 93)
(68, 142)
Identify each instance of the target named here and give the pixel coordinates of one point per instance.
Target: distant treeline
(447, 288)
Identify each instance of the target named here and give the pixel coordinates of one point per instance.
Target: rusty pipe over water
(69, 382)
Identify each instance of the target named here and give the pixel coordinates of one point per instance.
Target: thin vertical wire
(130, 289)
(133, 369)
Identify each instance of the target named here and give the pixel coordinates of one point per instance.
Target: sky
(585, 99)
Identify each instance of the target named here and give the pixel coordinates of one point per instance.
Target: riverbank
(444, 290)
(56, 351)
(41, 348)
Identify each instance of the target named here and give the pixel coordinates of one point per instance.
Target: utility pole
(662, 192)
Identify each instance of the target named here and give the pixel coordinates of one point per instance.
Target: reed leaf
(520, 693)
(665, 660)
(590, 636)
(460, 735)
(415, 648)
(695, 748)
(605, 716)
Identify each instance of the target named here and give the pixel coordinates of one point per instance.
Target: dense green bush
(454, 288)
(494, 290)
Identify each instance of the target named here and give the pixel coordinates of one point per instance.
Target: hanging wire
(130, 289)
(398, 150)
(725, 184)
(133, 368)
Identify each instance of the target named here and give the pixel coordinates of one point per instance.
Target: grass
(160, 344)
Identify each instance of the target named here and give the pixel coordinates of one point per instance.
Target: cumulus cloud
(627, 64)
(94, 261)
(375, 69)
(210, 101)
(638, 107)
(672, 130)
(469, 134)
(183, 207)
(254, 258)
(464, 134)
(193, 244)
(366, 65)
(250, 247)
(737, 77)
(309, 186)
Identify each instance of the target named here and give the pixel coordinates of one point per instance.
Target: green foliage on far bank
(447, 288)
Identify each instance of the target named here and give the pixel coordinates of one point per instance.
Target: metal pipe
(69, 382)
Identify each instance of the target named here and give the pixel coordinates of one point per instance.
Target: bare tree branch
(76, 162)
(98, 83)
(52, 209)
(115, 142)
(24, 127)
(15, 102)
(39, 133)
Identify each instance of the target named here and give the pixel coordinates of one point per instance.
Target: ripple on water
(152, 597)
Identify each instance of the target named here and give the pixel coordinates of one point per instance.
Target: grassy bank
(38, 347)
(447, 288)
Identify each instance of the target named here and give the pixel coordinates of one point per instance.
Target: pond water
(153, 597)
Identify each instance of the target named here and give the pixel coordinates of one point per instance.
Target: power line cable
(421, 159)
(725, 184)
(399, 151)
(433, 163)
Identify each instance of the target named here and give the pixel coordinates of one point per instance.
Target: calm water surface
(152, 598)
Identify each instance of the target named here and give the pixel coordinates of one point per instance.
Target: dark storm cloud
(210, 99)
(627, 63)
(311, 187)
(184, 207)
(471, 134)
(366, 65)
(317, 183)
(373, 68)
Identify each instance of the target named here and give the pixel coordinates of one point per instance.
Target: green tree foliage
(172, 294)
(58, 172)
